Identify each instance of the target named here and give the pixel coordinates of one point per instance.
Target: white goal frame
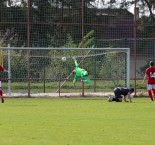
(126, 50)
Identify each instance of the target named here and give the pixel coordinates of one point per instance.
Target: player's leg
(1, 95)
(118, 97)
(149, 90)
(153, 90)
(115, 93)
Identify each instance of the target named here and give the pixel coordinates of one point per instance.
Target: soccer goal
(43, 72)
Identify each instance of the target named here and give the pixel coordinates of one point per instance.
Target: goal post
(50, 76)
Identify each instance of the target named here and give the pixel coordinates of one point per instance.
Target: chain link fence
(76, 24)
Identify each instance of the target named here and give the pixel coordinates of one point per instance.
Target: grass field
(82, 121)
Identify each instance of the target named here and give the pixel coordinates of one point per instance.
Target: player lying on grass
(79, 72)
(1, 92)
(121, 93)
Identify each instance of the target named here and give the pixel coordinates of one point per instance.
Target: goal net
(41, 71)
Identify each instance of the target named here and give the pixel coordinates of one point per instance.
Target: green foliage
(111, 69)
(70, 43)
(143, 69)
(88, 40)
(112, 66)
(19, 67)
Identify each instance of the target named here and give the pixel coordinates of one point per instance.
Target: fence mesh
(79, 24)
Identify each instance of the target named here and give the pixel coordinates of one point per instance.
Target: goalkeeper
(79, 72)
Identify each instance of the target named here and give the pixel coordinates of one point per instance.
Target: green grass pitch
(82, 121)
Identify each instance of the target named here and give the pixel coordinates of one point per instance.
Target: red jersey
(1, 68)
(150, 72)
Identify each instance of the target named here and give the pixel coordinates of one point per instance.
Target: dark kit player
(121, 93)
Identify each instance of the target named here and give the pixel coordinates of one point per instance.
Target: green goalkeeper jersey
(79, 72)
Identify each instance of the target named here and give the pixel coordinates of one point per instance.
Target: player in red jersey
(150, 76)
(1, 93)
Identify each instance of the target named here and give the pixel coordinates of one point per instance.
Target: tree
(145, 6)
(113, 3)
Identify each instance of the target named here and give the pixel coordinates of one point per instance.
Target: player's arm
(2, 69)
(145, 77)
(74, 80)
(124, 98)
(76, 64)
(129, 96)
(75, 61)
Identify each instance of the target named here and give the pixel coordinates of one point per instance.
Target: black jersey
(125, 91)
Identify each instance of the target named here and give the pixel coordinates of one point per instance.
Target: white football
(110, 98)
(63, 59)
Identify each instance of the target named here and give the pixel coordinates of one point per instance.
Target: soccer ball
(110, 98)
(63, 59)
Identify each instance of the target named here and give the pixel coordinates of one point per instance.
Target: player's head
(151, 63)
(131, 90)
(85, 75)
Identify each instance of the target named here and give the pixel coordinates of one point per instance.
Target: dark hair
(132, 90)
(151, 63)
